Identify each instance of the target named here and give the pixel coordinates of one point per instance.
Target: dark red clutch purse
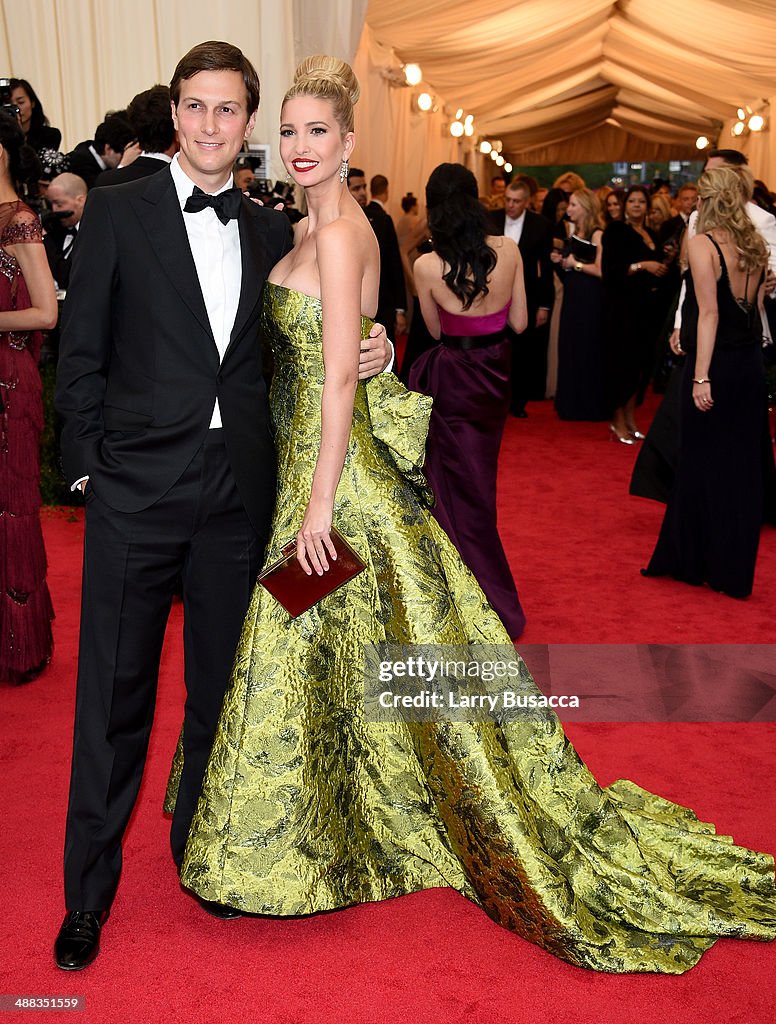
(290, 585)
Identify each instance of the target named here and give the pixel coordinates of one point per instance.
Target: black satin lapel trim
(160, 214)
(253, 252)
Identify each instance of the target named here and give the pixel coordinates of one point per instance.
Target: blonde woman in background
(580, 390)
(711, 529)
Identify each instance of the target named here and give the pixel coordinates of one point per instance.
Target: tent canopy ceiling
(556, 77)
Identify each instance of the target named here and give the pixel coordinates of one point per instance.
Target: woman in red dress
(27, 306)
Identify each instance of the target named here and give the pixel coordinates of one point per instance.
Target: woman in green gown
(306, 806)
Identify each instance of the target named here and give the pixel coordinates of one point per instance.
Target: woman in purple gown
(469, 288)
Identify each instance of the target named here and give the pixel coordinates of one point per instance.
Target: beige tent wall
(392, 138)
(561, 81)
(84, 57)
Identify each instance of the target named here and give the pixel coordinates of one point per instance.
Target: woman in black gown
(580, 390)
(711, 528)
(631, 266)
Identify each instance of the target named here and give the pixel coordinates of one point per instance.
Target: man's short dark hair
(519, 185)
(498, 177)
(151, 119)
(217, 56)
(730, 156)
(378, 186)
(529, 180)
(116, 132)
(356, 172)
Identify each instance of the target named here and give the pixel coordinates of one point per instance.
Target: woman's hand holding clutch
(314, 545)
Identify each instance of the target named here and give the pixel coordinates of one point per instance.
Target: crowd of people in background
(602, 271)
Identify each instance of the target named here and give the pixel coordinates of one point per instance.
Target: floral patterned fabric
(308, 807)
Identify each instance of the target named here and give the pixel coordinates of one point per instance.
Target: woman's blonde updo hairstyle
(328, 78)
(724, 206)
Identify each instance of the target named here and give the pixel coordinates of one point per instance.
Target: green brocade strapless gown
(306, 807)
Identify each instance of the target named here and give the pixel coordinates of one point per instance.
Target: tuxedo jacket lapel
(159, 212)
(255, 268)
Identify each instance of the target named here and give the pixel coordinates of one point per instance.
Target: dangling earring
(344, 169)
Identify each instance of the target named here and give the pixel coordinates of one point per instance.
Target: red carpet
(576, 542)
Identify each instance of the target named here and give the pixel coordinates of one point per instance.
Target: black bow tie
(226, 204)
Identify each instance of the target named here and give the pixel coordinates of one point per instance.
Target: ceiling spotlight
(741, 114)
(468, 128)
(469, 119)
(498, 145)
(425, 101)
(457, 129)
(499, 161)
(756, 123)
(701, 142)
(485, 146)
(508, 167)
(493, 155)
(738, 128)
(412, 74)
(459, 114)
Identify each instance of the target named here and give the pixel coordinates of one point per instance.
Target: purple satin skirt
(470, 389)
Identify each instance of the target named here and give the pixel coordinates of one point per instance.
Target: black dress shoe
(219, 910)
(78, 942)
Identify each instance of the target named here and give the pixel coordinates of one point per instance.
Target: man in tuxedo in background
(167, 433)
(533, 235)
(105, 152)
(66, 196)
(392, 297)
(686, 201)
(151, 121)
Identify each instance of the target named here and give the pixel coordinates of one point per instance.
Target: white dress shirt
(513, 228)
(98, 159)
(216, 251)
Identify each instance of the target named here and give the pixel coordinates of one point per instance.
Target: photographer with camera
(38, 133)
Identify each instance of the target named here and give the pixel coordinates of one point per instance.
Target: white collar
(101, 163)
(515, 220)
(184, 186)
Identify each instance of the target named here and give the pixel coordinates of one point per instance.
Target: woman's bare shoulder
(345, 230)
(427, 264)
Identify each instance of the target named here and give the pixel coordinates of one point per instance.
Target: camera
(5, 99)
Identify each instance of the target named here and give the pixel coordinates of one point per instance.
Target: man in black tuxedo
(533, 235)
(392, 296)
(151, 120)
(167, 432)
(89, 159)
(66, 196)
(686, 201)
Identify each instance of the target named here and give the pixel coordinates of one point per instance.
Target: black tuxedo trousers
(198, 537)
